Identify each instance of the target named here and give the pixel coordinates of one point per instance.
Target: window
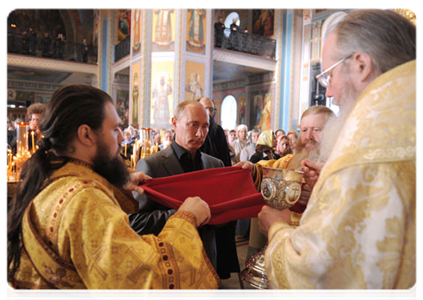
(229, 112)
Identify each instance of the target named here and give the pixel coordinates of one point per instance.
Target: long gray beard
(295, 161)
(331, 132)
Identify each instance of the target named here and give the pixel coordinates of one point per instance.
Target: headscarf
(265, 138)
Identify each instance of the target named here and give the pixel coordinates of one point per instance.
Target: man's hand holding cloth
(229, 192)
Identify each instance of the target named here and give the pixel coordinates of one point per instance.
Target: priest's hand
(245, 165)
(135, 180)
(306, 190)
(311, 171)
(199, 208)
(269, 215)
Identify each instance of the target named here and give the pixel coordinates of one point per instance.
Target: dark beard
(113, 169)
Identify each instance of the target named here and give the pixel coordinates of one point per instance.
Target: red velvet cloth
(229, 192)
(298, 208)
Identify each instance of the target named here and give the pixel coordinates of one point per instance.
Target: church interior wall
(77, 24)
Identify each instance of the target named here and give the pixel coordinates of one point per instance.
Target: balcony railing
(123, 48)
(51, 48)
(249, 43)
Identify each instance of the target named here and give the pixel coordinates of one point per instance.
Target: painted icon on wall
(135, 93)
(196, 33)
(161, 109)
(137, 31)
(163, 30)
(122, 106)
(263, 20)
(194, 80)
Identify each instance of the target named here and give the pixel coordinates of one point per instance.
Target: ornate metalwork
(407, 13)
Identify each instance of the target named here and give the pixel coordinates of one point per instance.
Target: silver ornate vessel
(280, 189)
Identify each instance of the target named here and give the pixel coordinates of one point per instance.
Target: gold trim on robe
(76, 235)
(359, 228)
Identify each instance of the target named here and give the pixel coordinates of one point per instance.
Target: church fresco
(241, 110)
(263, 21)
(163, 30)
(261, 109)
(194, 80)
(136, 44)
(135, 93)
(124, 24)
(122, 106)
(196, 30)
(162, 94)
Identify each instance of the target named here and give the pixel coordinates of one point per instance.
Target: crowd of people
(33, 117)
(48, 45)
(240, 39)
(81, 220)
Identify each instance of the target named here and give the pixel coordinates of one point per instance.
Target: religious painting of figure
(163, 30)
(124, 24)
(161, 94)
(242, 109)
(194, 88)
(263, 21)
(265, 190)
(217, 110)
(135, 93)
(122, 106)
(261, 109)
(256, 110)
(194, 80)
(137, 31)
(196, 34)
(266, 112)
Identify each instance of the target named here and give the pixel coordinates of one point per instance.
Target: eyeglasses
(324, 79)
(210, 109)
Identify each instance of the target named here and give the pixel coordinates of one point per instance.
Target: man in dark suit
(219, 29)
(234, 35)
(216, 145)
(191, 125)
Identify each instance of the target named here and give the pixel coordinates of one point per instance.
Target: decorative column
(105, 54)
(170, 64)
(285, 65)
(138, 67)
(305, 62)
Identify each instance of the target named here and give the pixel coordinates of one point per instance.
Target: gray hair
(388, 37)
(316, 110)
(256, 130)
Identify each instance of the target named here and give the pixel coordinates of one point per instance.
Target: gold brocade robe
(359, 228)
(83, 240)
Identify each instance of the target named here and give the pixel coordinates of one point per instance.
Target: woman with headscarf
(264, 147)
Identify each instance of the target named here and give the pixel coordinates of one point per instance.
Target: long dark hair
(69, 108)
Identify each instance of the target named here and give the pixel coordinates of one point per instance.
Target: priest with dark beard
(68, 225)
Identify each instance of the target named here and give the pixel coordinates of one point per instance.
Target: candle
(33, 142)
(126, 148)
(135, 151)
(10, 158)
